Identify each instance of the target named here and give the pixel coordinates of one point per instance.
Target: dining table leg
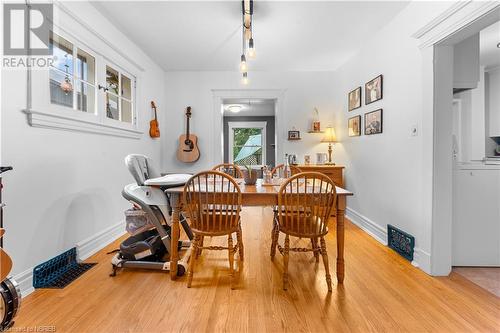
(174, 250)
(341, 206)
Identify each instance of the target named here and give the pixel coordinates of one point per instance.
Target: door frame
(217, 130)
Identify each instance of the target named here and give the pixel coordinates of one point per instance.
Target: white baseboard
(370, 227)
(25, 281)
(93, 244)
(421, 259)
(84, 250)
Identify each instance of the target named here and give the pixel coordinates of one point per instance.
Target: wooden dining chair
(305, 202)
(213, 201)
(280, 168)
(228, 168)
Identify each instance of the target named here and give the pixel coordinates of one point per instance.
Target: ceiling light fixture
(235, 108)
(498, 45)
(244, 79)
(246, 38)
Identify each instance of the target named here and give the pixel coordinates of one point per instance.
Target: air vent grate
(401, 242)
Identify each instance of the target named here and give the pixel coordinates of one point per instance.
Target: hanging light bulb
(243, 64)
(244, 79)
(251, 49)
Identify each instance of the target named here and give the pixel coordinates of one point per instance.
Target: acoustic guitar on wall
(154, 130)
(188, 151)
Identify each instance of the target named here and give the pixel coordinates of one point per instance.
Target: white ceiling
(289, 36)
(490, 53)
(249, 107)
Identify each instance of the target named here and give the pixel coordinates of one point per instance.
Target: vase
(250, 177)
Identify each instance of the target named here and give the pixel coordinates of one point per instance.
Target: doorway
(249, 131)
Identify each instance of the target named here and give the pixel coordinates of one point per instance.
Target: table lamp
(330, 138)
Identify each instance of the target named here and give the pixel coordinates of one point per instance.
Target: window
(118, 95)
(72, 83)
(247, 142)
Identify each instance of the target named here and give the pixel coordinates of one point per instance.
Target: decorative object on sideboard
(374, 90)
(154, 129)
(307, 159)
(293, 135)
(354, 99)
(373, 122)
(331, 139)
(188, 151)
(321, 158)
(355, 126)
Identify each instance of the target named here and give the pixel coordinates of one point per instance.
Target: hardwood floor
(382, 292)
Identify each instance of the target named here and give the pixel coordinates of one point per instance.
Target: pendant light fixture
(246, 38)
(66, 85)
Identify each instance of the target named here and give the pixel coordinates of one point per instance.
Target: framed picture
(355, 126)
(354, 99)
(307, 159)
(293, 135)
(373, 122)
(374, 90)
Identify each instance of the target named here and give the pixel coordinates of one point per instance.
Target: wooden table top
(259, 189)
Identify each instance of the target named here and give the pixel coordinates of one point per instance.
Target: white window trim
(42, 113)
(247, 124)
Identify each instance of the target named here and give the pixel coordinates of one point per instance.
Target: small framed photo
(373, 122)
(307, 159)
(354, 99)
(355, 126)
(374, 90)
(294, 135)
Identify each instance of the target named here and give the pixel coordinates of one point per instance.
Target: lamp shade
(330, 136)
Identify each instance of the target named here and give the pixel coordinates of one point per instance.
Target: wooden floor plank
(382, 292)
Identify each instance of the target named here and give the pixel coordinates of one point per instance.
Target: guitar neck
(187, 128)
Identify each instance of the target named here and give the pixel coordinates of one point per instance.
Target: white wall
(385, 170)
(66, 186)
(302, 92)
(494, 102)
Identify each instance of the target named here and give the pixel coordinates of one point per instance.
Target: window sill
(55, 121)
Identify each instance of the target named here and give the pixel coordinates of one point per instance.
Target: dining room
(249, 166)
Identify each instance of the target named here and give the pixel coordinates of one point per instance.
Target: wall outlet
(414, 130)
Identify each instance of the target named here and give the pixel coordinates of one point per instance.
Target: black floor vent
(60, 271)
(401, 242)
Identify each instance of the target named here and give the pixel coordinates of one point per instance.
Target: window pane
(126, 111)
(112, 107)
(247, 149)
(85, 97)
(63, 52)
(85, 66)
(57, 95)
(126, 87)
(112, 80)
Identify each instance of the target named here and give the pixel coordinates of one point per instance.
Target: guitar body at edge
(188, 153)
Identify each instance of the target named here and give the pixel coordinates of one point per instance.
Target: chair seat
(309, 227)
(169, 181)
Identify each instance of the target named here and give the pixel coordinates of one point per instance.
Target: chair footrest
(298, 249)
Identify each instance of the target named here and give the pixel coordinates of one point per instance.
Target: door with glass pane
(247, 142)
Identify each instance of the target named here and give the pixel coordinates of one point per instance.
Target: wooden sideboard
(335, 172)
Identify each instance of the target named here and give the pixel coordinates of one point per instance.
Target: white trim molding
(55, 121)
(25, 281)
(367, 225)
(88, 247)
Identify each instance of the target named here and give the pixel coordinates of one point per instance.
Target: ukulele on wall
(188, 151)
(154, 130)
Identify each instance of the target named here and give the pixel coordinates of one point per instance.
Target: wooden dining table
(253, 195)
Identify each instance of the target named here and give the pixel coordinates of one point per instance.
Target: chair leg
(239, 238)
(324, 254)
(314, 243)
(200, 245)
(285, 261)
(192, 260)
(231, 259)
(274, 239)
